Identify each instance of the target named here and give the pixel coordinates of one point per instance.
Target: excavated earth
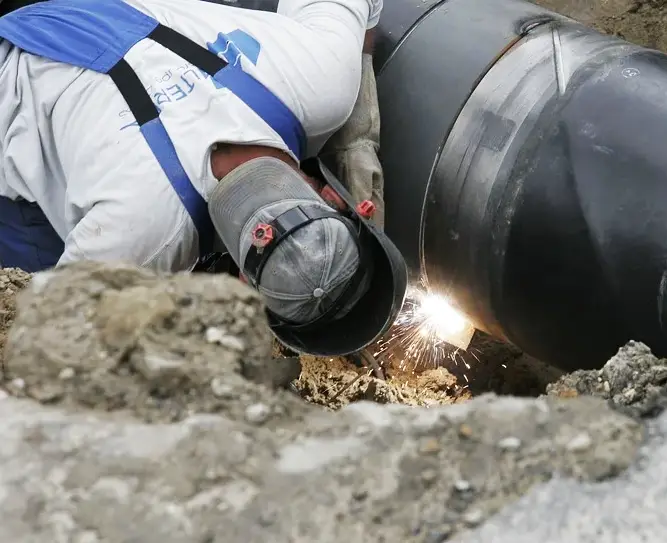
(138, 407)
(144, 408)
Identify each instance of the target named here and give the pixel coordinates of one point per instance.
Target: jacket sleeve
(327, 74)
(338, 25)
(321, 13)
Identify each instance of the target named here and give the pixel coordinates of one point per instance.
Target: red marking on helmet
(262, 235)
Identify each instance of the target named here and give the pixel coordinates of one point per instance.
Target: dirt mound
(488, 365)
(165, 418)
(117, 338)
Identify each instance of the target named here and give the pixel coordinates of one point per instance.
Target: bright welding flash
(444, 321)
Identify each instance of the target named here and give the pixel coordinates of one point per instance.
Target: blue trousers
(27, 239)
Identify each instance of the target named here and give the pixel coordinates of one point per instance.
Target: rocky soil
(143, 408)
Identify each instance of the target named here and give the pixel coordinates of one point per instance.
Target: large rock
(367, 473)
(633, 377)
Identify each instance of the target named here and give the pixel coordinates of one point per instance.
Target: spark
(440, 318)
(428, 331)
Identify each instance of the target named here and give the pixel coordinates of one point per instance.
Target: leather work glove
(356, 144)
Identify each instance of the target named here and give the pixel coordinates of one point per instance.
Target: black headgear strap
(284, 226)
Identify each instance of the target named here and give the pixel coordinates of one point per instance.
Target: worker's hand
(356, 144)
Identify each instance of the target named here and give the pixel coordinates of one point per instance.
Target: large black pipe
(525, 158)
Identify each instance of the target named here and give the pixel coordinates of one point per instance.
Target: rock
(473, 517)
(222, 337)
(430, 446)
(633, 377)
(462, 485)
(66, 373)
(118, 337)
(258, 413)
(221, 389)
(99, 477)
(509, 443)
(579, 442)
(17, 383)
(429, 476)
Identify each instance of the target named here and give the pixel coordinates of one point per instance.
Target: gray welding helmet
(332, 282)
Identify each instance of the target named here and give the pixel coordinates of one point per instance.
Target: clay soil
(488, 365)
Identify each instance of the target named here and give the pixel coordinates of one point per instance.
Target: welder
(155, 132)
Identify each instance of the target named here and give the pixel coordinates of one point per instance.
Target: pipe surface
(526, 174)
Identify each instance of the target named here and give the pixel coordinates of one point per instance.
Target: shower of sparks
(421, 335)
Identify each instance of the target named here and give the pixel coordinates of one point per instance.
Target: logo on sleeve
(231, 46)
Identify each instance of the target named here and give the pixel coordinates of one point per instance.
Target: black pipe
(525, 159)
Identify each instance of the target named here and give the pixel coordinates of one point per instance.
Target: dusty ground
(150, 407)
(487, 366)
(637, 21)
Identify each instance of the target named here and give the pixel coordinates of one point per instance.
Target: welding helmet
(332, 282)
